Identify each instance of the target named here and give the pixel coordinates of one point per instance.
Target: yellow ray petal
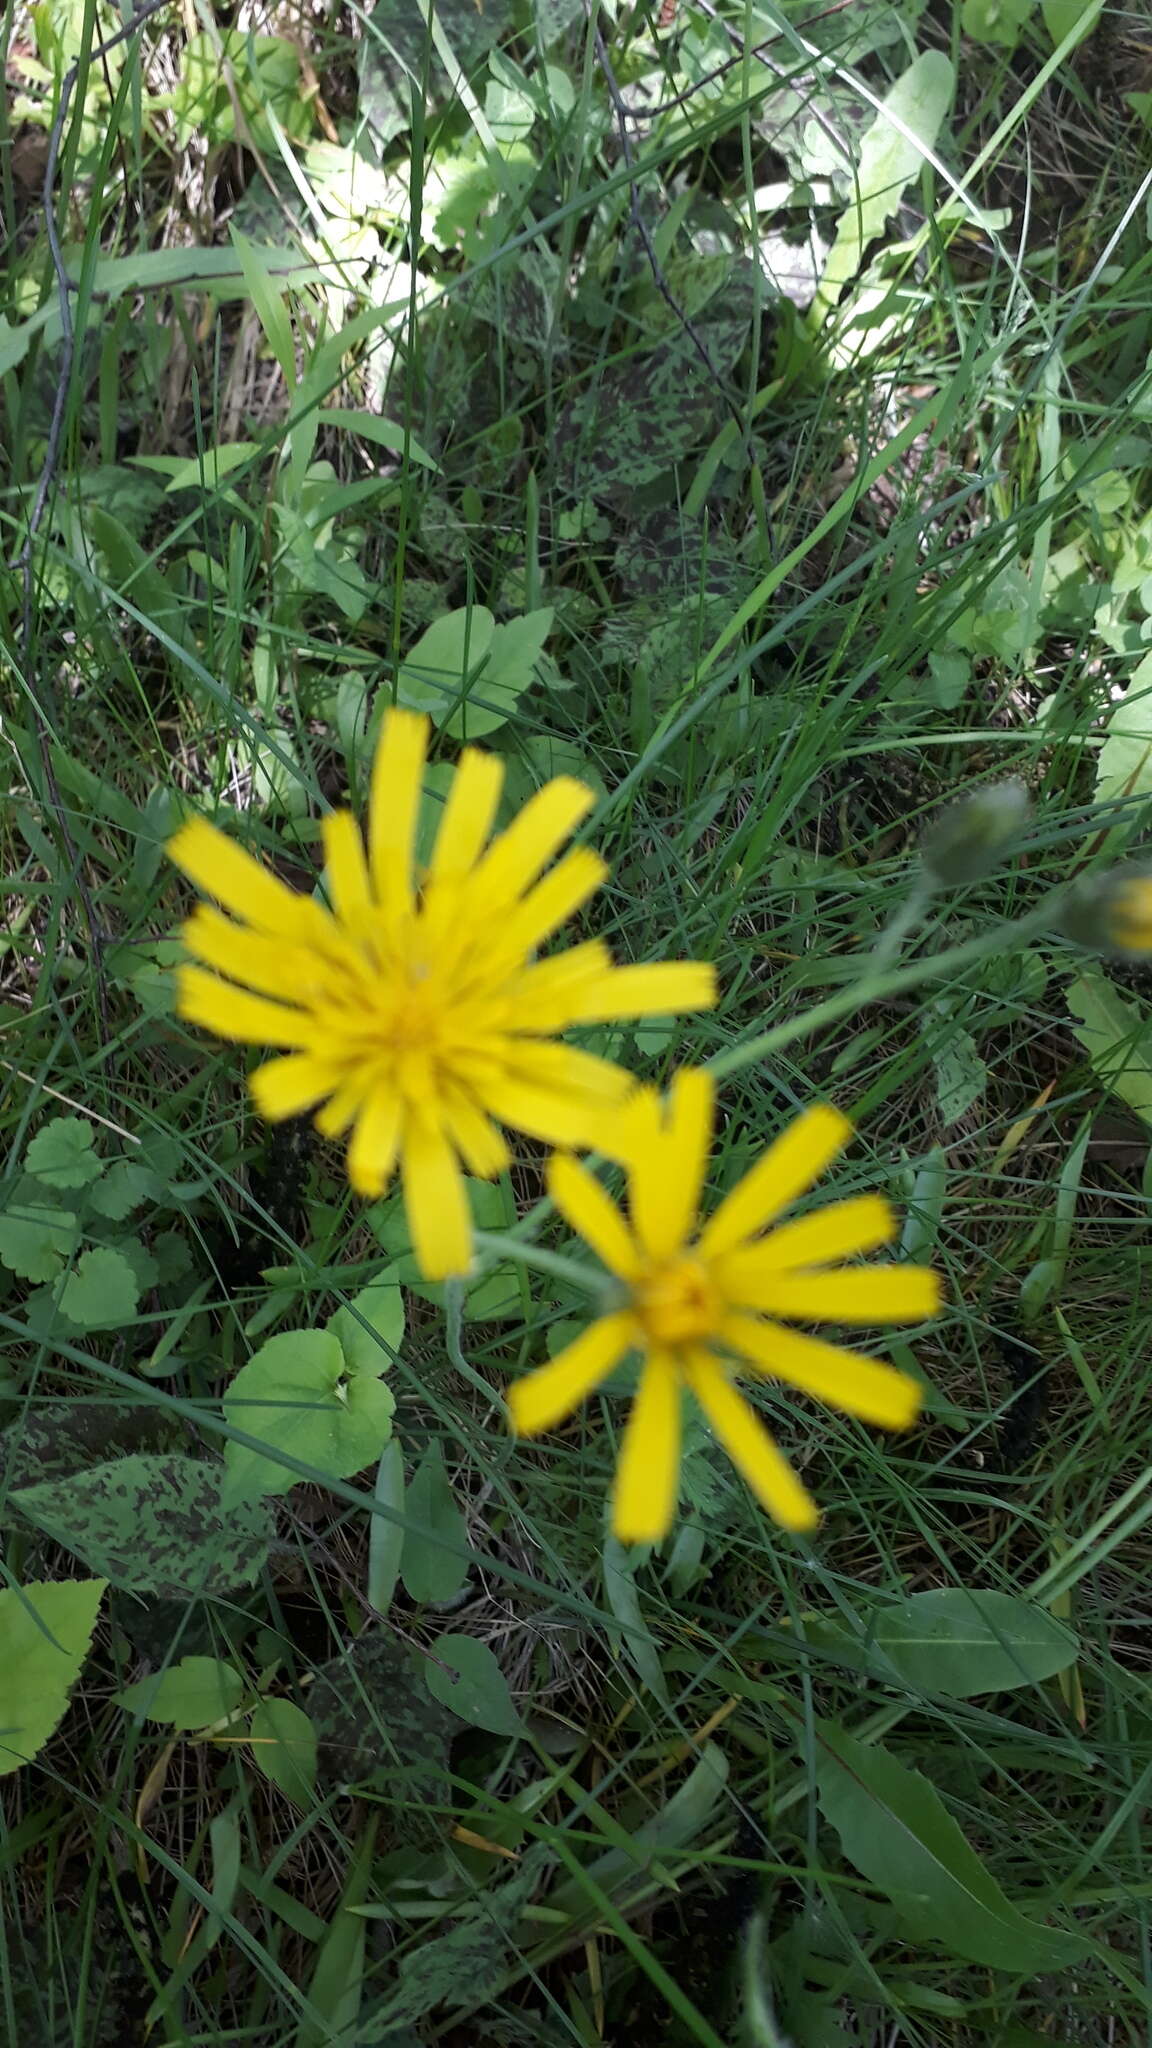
(664, 989)
(549, 995)
(289, 1086)
(849, 1294)
(397, 774)
(201, 998)
(553, 1115)
(860, 1224)
(436, 1203)
(335, 1117)
(550, 904)
(593, 1215)
(244, 885)
(664, 1182)
(647, 1477)
(859, 1386)
(789, 1167)
(750, 1447)
(475, 1137)
(524, 850)
(269, 966)
(629, 1128)
(375, 1141)
(544, 1397)
(348, 884)
(468, 814)
(582, 1075)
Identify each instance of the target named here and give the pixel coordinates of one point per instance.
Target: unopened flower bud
(968, 839)
(1111, 913)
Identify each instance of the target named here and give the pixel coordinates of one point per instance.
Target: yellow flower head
(701, 1301)
(415, 1010)
(1129, 913)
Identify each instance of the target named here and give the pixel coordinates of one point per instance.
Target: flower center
(677, 1303)
(412, 1025)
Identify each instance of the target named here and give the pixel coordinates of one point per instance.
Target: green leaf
(45, 1631)
(380, 1305)
(121, 1189)
(63, 1154)
(995, 21)
(892, 153)
(513, 652)
(35, 1240)
(433, 1569)
(1062, 16)
(624, 1600)
(153, 1524)
(191, 1694)
(386, 1538)
(1117, 1036)
(206, 471)
(463, 1674)
(296, 1395)
(101, 1292)
(432, 677)
(894, 1827)
(377, 1723)
(370, 427)
(284, 1748)
(961, 1075)
(953, 1641)
(1124, 762)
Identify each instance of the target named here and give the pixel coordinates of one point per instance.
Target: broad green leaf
(132, 572)
(433, 676)
(284, 1748)
(385, 433)
(434, 1562)
(385, 1537)
(267, 304)
(123, 1188)
(63, 1154)
(635, 1635)
(296, 1395)
(995, 21)
(380, 1305)
(953, 1641)
(1062, 16)
(961, 1075)
(463, 1674)
(1124, 762)
(377, 1722)
(153, 1524)
(35, 1240)
(463, 1967)
(674, 1827)
(45, 1631)
(512, 656)
(892, 153)
(205, 472)
(101, 1292)
(894, 1827)
(191, 1694)
(1117, 1036)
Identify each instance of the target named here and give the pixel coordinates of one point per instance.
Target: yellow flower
(414, 1010)
(1129, 913)
(697, 1302)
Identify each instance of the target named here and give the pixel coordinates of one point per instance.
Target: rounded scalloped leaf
(101, 1292)
(45, 1631)
(121, 1189)
(191, 1694)
(63, 1154)
(297, 1396)
(35, 1240)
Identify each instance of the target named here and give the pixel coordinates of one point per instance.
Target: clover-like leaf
(101, 1292)
(298, 1396)
(35, 1240)
(121, 1189)
(63, 1154)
